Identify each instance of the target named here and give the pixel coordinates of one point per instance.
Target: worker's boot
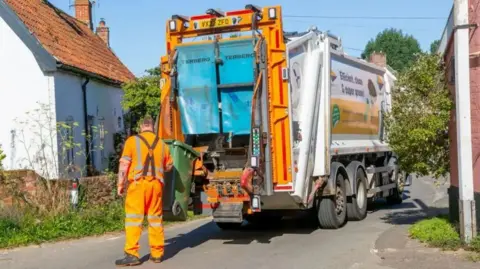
(156, 260)
(128, 260)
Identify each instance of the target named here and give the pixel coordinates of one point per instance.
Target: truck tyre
(357, 207)
(332, 211)
(397, 193)
(228, 225)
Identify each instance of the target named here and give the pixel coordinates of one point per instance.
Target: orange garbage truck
(282, 122)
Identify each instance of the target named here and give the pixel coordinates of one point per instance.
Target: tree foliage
(142, 96)
(434, 46)
(417, 125)
(2, 157)
(399, 48)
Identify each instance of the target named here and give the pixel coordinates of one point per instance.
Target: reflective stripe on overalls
(148, 167)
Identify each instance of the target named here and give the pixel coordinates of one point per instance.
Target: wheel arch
(335, 169)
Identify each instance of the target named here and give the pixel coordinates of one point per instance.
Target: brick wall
(474, 100)
(474, 14)
(13, 183)
(474, 17)
(98, 190)
(16, 185)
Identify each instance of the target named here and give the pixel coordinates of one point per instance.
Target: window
(101, 135)
(119, 123)
(451, 74)
(69, 140)
(91, 140)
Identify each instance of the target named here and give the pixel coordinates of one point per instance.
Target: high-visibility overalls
(149, 156)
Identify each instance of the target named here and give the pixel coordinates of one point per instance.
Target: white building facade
(47, 97)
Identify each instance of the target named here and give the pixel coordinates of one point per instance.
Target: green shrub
(19, 228)
(31, 230)
(475, 244)
(2, 157)
(436, 232)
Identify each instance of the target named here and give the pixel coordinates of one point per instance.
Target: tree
(2, 157)
(399, 48)
(417, 125)
(434, 46)
(142, 96)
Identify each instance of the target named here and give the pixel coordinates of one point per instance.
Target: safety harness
(149, 163)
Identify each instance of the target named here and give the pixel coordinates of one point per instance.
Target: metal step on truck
(281, 121)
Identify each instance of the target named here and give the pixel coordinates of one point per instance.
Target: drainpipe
(87, 131)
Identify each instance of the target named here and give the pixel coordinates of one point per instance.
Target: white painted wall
(103, 103)
(23, 87)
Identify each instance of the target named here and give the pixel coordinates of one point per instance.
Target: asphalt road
(200, 244)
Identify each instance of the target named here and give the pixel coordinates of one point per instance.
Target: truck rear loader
(281, 121)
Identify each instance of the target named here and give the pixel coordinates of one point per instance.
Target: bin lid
(169, 141)
(183, 146)
(187, 148)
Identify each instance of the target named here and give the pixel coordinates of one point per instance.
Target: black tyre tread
(396, 197)
(354, 213)
(327, 216)
(228, 225)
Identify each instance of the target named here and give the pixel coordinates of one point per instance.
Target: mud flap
(228, 212)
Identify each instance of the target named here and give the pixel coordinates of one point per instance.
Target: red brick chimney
(83, 12)
(103, 32)
(378, 58)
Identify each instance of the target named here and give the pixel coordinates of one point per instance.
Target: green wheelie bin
(178, 182)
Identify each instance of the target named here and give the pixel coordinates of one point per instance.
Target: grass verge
(439, 232)
(23, 228)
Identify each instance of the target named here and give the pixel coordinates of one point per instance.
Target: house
(446, 49)
(55, 69)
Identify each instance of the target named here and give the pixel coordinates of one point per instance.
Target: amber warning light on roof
(217, 19)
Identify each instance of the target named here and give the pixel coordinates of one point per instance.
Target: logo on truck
(335, 115)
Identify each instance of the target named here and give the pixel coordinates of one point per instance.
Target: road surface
(293, 244)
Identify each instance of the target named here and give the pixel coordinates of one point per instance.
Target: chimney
(83, 12)
(103, 32)
(378, 58)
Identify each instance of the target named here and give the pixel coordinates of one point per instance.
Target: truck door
(296, 64)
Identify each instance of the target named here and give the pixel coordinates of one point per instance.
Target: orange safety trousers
(144, 197)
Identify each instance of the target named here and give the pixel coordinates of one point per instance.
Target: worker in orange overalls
(144, 160)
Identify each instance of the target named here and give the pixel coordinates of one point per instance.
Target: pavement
(378, 242)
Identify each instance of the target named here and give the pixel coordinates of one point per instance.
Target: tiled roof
(70, 41)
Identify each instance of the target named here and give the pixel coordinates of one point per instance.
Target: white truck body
(336, 107)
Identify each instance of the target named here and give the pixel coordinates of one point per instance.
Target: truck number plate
(216, 22)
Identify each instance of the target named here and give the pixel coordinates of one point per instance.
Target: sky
(137, 27)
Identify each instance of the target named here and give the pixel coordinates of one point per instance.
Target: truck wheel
(396, 198)
(357, 207)
(397, 194)
(228, 225)
(331, 211)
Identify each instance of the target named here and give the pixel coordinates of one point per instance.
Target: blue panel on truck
(237, 68)
(197, 89)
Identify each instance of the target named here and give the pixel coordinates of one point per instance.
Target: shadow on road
(416, 211)
(408, 212)
(261, 233)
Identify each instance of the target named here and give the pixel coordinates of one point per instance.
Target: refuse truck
(280, 122)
